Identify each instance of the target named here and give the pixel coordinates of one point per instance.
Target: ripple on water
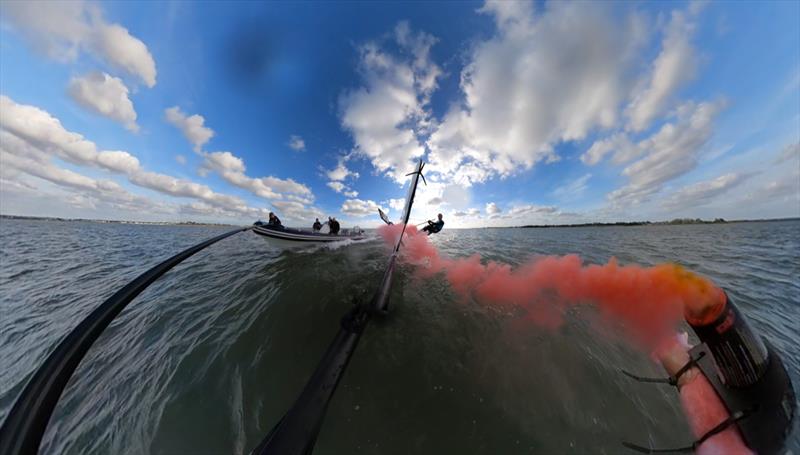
(210, 356)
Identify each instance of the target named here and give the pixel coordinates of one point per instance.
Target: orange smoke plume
(649, 301)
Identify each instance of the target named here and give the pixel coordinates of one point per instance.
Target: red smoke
(649, 301)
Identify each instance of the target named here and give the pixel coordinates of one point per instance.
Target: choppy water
(210, 356)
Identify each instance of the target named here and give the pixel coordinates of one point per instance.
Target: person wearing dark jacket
(334, 226)
(274, 220)
(434, 227)
(317, 225)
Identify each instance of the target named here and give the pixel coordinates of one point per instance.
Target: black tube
(23, 428)
(739, 353)
(296, 433)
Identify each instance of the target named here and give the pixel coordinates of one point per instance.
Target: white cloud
(624, 150)
(672, 68)
(296, 143)
(703, 193)
(397, 204)
(388, 116)
(180, 159)
(472, 213)
(341, 172)
(105, 95)
(297, 211)
(123, 50)
(184, 188)
(520, 210)
(360, 208)
(669, 153)
(232, 169)
(336, 186)
(118, 161)
(340, 187)
(492, 209)
(192, 126)
(539, 81)
(63, 29)
(35, 125)
(573, 189)
(89, 189)
(34, 134)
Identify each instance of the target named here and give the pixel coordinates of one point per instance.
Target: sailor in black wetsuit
(317, 225)
(433, 228)
(334, 226)
(274, 220)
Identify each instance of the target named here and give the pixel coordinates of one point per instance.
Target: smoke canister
(740, 355)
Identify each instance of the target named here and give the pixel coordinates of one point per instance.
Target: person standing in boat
(434, 227)
(274, 220)
(334, 226)
(317, 225)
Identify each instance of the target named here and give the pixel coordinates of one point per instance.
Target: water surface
(211, 355)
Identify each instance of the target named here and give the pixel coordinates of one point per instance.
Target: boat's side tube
(23, 428)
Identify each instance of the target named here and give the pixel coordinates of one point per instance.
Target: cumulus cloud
(297, 211)
(669, 153)
(492, 209)
(619, 143)
(702, 193)
(105, 95)
(341, 172)
(45, 132)
(340, 187)
(63, 29)
(180, 159)
(89, 189)
(33, 134)
(118, 161)
(232, 169)
(674, 66)
(360, 208)
(296, 143)
(388, 116)
(192, 126)
(337, 186)
(540, 80)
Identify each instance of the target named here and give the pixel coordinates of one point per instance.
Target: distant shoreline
(89, 220)
(675, 222)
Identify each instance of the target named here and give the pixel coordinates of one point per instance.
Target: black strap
(672, 380)
(722, 426)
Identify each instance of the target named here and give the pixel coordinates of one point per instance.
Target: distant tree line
(630, 223)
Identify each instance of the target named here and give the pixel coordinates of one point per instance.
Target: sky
(525, 112)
